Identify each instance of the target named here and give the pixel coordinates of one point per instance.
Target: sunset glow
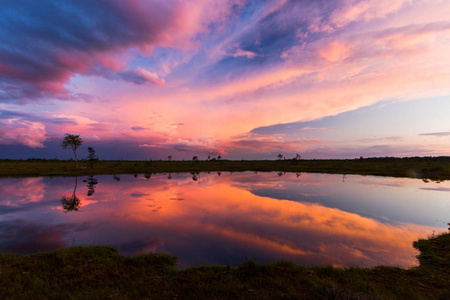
(313, 219)
(242, 79)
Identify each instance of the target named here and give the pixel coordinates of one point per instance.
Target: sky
(241, 79)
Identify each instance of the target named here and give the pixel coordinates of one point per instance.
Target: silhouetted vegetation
(92, 158)
(101, 273)
(426, 168)
(73, 142)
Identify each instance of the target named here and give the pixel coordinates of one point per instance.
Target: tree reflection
(71, 203)
(91, 183)
(195, 175)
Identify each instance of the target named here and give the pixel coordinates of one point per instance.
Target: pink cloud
(359, 54)
(364, 10)
(21, 132)
(66, 49)
(248, 54)
(334, 51)
(151, 77)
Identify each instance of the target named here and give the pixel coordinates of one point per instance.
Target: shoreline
(100, 272)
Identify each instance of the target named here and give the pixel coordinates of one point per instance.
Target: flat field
(434, 168)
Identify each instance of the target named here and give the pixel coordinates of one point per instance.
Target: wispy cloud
(444, 133)
(138, 128)
(386, 139)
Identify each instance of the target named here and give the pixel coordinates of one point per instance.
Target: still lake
(311, 219)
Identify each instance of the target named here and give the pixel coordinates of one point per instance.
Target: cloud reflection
(222, 220)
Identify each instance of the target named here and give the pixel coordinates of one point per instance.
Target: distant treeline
(386, 158)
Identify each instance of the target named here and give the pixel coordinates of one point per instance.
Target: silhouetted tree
(280, 156)
(91, 158)
(298, 156)
(209, 157)
(73, 142)
(169, 157)
(195, 158)
(219, 157)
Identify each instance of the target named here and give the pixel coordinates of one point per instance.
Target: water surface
(311, 219)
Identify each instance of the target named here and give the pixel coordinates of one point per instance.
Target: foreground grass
(434, 168)
(100, 273)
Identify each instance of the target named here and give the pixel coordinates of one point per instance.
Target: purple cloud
(138, 128)
(45, 43)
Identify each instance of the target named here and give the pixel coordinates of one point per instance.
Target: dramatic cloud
(228, 77)
(44, 44)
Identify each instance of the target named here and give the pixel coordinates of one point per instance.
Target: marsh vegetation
(101, 273)
(434, 168)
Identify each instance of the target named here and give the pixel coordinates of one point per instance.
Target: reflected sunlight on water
(311, 219)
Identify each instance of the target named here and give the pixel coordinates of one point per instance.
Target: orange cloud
(322, 235)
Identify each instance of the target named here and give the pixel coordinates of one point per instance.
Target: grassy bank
(435, 168)
(100, 273)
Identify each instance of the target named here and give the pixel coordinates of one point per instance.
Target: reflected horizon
(310, 219)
